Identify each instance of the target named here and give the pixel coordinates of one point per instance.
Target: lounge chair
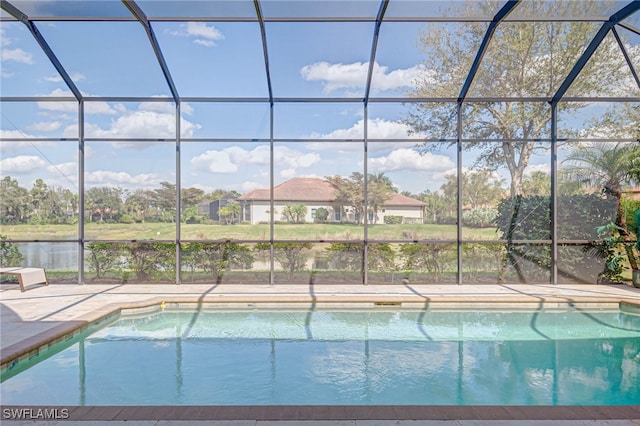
(26, 276)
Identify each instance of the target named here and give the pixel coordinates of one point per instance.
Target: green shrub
(349, 256)
(433, 258)
(217, 258)
(150, 260)
(529, 218)
(9, 253)
(322, 215)
(393, 220)
(629, 207)
(607, 248)
(479, 217)
(291, 256)
(104, 257)
(125, 218)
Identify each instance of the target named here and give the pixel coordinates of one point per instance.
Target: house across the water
(316, 193)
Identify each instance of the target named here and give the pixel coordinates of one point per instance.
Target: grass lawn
(167, 231)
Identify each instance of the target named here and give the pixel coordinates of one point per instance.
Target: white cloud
(201, 29)
(410, 160)
(45, 126)
(11, 147)
(4, 40)
(72, 106)
(57, 79)
(88, 152)
(231, 159)
(14, 134)
(286, 157)
(99, 108)
(203, 34)
(288, 173)
(122, 179)
(205, 43)
(378, 129)
(68, 169)
(165, 107)
(137, 124)
(186, 108)
(65, 171)
(336, 76)
(383, 80)
(21, 164)
(17, 55)
(7, 74)
(162, 107)
(250, 186)
(214, 162)
(354, 76)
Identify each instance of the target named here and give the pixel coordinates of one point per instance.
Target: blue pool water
(322, 357)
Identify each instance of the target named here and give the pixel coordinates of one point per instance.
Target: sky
(226, 60)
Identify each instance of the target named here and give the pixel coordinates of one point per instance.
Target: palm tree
(607, 165)
(380, 190)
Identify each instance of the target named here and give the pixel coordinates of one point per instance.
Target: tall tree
(620, 120)
(230, 211)
(38, 195)
(138, 203)
(104, 200)
(295, 213)
(164, 199)
(14, 201)
(537, 183)
(438, 207)
(479, 188)
(380, 190)
(350, 192)
(524, 59)
(191, 196)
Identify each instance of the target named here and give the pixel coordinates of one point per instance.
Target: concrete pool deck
(33, 319)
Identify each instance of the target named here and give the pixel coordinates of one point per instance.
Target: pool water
(324, 357)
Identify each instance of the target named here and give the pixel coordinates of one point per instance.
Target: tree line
(50, 204)
(45, 204)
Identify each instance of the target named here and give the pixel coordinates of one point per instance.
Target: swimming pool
(385, 356)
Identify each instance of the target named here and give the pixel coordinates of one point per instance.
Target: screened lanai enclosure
(301, 142)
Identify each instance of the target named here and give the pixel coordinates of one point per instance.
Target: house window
(313, 213)
(337, 215)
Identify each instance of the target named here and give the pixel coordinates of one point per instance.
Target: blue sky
(216, 59)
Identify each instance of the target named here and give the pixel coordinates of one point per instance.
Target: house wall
(260, 211)
(404, 211)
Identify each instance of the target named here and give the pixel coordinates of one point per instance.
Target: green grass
(167, 231)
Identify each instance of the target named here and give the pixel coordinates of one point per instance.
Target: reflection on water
(60, 256)
(377, 358)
